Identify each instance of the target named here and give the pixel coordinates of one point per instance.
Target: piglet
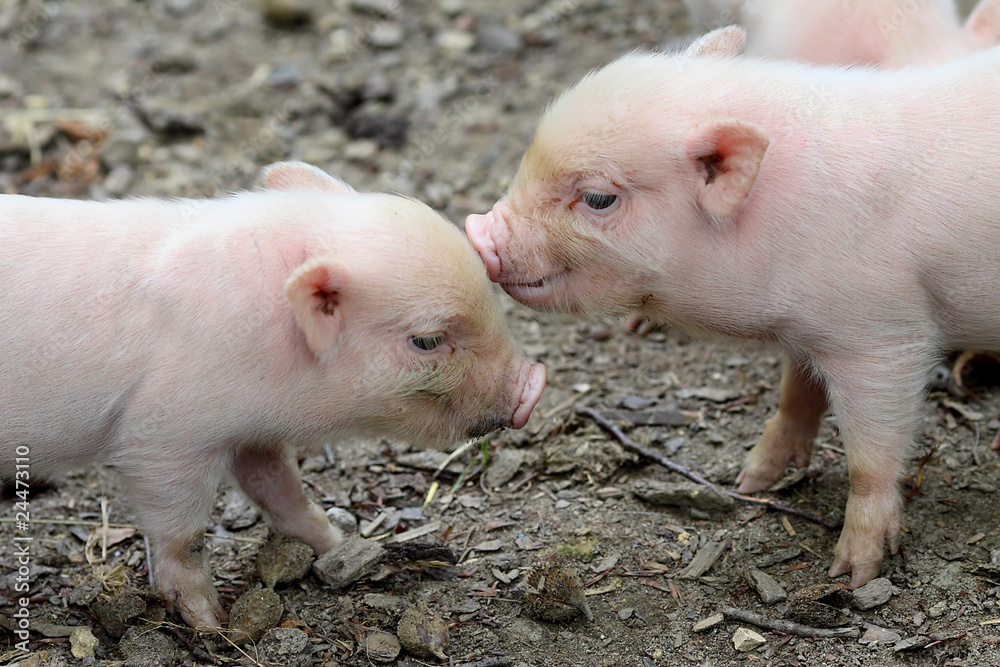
(883, 33)
(182, 341)
(850, 216)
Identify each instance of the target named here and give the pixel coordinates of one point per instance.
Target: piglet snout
(531, 391)
(479, 229)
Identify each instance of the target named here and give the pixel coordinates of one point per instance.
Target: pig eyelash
(428, 342)
(598, 201)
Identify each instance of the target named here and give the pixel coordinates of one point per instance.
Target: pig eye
(598, 200)
(428, 342)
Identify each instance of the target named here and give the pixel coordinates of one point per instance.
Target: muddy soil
(437, 99)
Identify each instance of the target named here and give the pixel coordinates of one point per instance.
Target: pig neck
(835, 188)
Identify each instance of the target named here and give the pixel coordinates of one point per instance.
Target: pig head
(742, 198)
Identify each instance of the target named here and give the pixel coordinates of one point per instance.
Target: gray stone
(873, 594)
(877, 635)
(636, 402)
(714, 394)
(383, 8)
(912, 643)
(342, 519)
(381, 646)
(347, 562)
(455, 42)
(429, 459)
(387, 35)
(778, 556)
(499, 39)
(83, 642)
(682, 494)
(770, 591)
(938, 609)
(703, 560)
(746, 640)
(708, 623)
(168, 116)
(239, 513)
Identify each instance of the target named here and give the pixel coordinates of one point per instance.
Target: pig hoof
(749, 483)
(209, 614)
(203, 619)
(861, 572)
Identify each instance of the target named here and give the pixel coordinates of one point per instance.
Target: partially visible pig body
(850, 216)
(882, 33)
(182, 341)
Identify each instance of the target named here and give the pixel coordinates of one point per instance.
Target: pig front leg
(788, 436)
(173, 501)
(269, 476)
(877, 400)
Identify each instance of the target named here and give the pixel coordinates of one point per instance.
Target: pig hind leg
(173, 501)
(270, 477)
(788, 436)
(877, 400)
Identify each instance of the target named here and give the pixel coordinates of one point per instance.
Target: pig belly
(963, 279)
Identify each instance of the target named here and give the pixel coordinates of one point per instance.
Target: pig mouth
(535, 290)
(486, 426)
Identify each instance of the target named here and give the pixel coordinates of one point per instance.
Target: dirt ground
(437, 99)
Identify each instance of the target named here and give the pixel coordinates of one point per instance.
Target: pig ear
(984, 22)
(316, 291)
(726, 41)
(727, 154)
(299, 175)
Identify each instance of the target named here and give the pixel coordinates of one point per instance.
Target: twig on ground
(788, 627)
(641, 450)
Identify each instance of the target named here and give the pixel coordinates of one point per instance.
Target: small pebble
(745, 640)
(343, 519)
(381, 646)
(767, 587)
(708, 623)
(873, 594)
(82, 643)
